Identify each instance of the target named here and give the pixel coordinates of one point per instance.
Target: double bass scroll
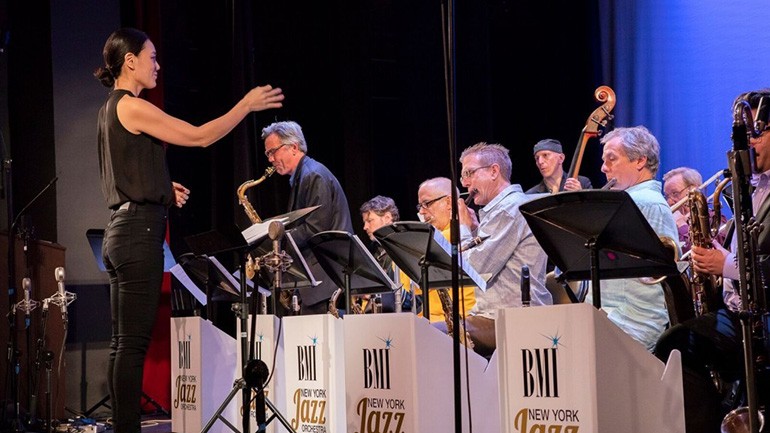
(598, 118)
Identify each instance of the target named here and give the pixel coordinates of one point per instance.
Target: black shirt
(133, 167)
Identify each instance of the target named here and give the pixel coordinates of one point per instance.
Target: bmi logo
(258, 348)
(306, 362)
(377, 368)
(540, 370)
(184, 354)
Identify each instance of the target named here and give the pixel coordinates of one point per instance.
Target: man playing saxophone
(311, 184)
(434, 206)
(711, 344)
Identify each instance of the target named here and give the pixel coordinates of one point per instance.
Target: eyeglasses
(468, 172)
(676, 195)
(271, 152)
(429, 203)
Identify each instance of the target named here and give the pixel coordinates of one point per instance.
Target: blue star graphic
(555, 340)
(261, 337)
(314, 340)
(388, 342)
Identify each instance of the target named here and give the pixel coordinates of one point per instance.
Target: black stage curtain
(365, 81)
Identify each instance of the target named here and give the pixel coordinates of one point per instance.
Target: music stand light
(597, 235)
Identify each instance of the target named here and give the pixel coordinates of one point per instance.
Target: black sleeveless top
(133, 167)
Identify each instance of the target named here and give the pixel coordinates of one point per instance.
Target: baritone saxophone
(703, 228)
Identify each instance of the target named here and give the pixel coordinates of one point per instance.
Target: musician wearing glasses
(434, 206)
(376, 213)
(677, 183)
(311, 184)
(549, 158)
(508, 243)
(711, 344)
(631, 156)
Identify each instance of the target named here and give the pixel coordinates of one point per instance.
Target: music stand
(230, 239)
(423, 253)
(204, 272)
(597, 235)
(350, 265)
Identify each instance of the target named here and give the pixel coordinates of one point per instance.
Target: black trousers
(709, 342)
(133, 256)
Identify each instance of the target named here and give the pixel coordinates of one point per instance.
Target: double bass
(598, 118)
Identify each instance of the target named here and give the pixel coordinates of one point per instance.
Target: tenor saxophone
(446, 306)
(251, 264)
(244, 201)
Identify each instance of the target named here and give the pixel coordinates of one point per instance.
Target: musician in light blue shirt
(508, 243)
(631, 156)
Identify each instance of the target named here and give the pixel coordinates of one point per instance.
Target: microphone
(59, 274)
(525, 297)
(26, 284)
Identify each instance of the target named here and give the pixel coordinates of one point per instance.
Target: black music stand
(350, 265)
(597, 235)
(230, 239)
(204, 273)
(423, 253)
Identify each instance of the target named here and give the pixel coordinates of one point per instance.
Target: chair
(676, 291)
(563, 292)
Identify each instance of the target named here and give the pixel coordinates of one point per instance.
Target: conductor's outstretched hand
(264, 98)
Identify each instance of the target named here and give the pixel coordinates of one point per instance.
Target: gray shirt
(509, 244)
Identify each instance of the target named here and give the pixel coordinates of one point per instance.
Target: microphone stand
(448, 39)
(14, 355)
(13, 343)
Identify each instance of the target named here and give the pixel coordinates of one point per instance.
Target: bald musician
(434, 205)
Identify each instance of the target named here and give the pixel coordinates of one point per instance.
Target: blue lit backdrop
(676, 67)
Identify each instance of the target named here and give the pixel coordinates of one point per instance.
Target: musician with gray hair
(311, 184)
(507, 241)
(631, 156)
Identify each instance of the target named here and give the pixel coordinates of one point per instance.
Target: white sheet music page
(258, 231)
(188, 284)
(465, 266)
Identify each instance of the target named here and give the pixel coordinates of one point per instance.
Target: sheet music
(258, 231)
(465, 266)
(188, 284)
